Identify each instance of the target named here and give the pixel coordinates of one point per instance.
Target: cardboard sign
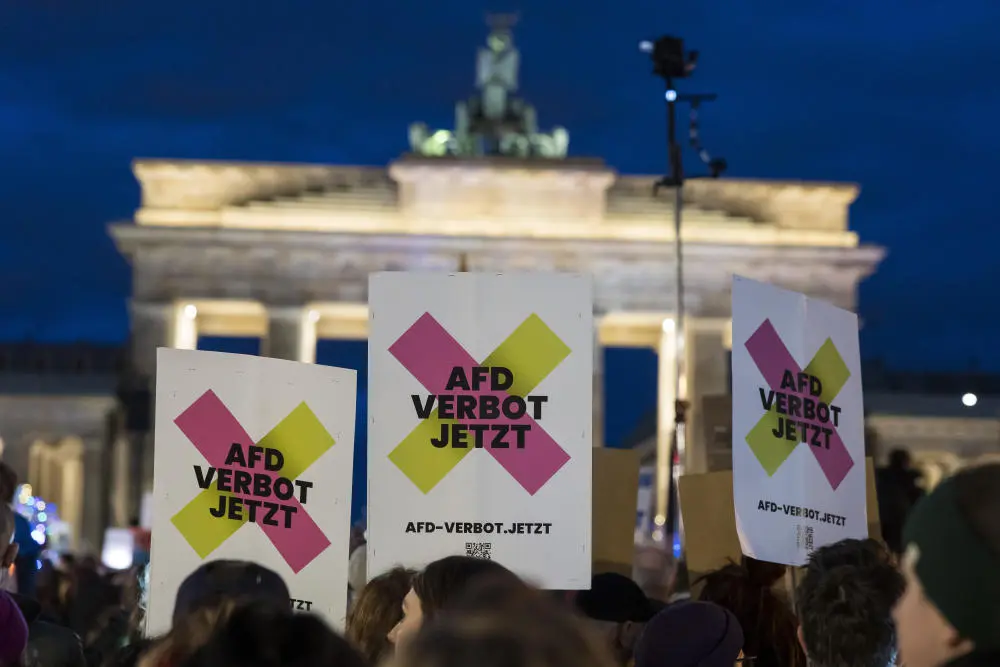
(616, 486)
(253, 461)
(710, 538)
(479, 439)
(798, 424)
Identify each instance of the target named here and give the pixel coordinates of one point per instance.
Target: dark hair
(770, 631)
(899, 459)
(128, 655)
(376, 611)
(444, 580)
(8, 483)
(264, 635)
(845, 600)
(504, 623)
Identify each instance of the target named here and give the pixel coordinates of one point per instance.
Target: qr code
(805, 538)
(482, 550)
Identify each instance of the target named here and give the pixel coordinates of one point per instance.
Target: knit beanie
(690, 634)
(958, 567)
(13, 631)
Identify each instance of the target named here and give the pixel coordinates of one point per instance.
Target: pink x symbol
(430, 354)
(773, 359)
(213, 429)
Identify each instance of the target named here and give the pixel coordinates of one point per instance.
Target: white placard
(277, 438)
(798, 424)
(509, 361)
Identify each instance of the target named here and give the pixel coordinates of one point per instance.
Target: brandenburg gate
(283, 252)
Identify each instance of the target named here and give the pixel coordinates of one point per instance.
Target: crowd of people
(857, 603)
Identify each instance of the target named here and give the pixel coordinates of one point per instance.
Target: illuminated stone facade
(283, 252)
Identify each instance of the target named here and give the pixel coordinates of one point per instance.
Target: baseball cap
(614, 598)
(220, 580)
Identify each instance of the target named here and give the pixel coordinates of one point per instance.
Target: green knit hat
(957, 567)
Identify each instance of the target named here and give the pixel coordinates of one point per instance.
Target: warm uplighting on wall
(190, 311)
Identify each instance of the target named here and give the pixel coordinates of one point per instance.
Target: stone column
(70, 498)
(707, 375)
(158, 324)
(598, 423)
(151, 327)
(291, 334)
(665, 397)
(121, 471)
(185, 327)
(95, 494)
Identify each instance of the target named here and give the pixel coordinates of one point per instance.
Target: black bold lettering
(788, 380)
(457, 380)
(501, 379)
(274, 460)
(235, 456)
(766, 399)
(283, 489)
(422, 408)
(204, 479)
(443, 440)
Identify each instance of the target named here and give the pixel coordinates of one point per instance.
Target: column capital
(285, 311)
(152, 309)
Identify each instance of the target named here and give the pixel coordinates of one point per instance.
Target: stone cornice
(207, 186)
(205, 193)
(792, 205)
(788, 204)
(527, 174)
(133, 238)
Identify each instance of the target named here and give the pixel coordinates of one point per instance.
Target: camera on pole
(671, 63)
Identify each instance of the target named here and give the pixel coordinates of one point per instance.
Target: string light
(41, 515)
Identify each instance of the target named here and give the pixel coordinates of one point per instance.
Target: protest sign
(710, 537)
(249, 440)
(798, 424)
(479, 438)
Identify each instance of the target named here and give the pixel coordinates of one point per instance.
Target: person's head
(189, 633)
(8, 483)
(8, 547)
(766, 619)
(505, 623)
(691, 634)
(263, 635)
(618, 610)
(128, 655)
(13, 632)
(229, 580)
(376, 611)
(951, 606)
(845, 600)
(438, 585)
(899, 459)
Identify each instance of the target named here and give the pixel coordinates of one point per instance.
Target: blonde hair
(189, 634)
